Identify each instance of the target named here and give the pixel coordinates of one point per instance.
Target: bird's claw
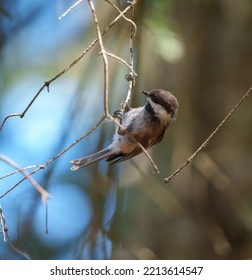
(130, 78)
(118, 115)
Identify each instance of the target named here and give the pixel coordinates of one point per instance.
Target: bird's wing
(116, 158)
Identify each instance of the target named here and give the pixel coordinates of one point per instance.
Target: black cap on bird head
(164, 98)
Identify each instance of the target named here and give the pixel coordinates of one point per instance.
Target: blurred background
(199, 50)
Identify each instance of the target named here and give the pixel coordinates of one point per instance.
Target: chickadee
(146, 125)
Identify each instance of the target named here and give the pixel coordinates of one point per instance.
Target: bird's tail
(85, 161)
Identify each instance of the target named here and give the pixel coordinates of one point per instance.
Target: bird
(145, 125)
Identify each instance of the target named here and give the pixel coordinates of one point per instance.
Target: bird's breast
(141, 126)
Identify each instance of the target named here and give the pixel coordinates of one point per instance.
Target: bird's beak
(146, 93)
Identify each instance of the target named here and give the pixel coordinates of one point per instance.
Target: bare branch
(6, 237)
(205, 143)
(44, 194)
(43, 166)
(47, 83)
(4, 228)
(130, 77)
(127, 19)
(104, 57)
(70, 9)
(16, 171)
(149, 157)
(21, 115)
(122, 61)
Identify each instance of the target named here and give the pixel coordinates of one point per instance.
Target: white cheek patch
(160, 112)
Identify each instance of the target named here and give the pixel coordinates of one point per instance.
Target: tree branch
(44, 194)
(4, 231)
(47, 83)
(43, 166)
(70, 9)
(104, 57)
(205, 143)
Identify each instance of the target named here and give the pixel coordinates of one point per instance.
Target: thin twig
(149, 157)
(133, 30)
(21, 115)
(104, 57)
(74, 143)
(130, 77)
(17, 171)
(6, 237)
(47, 83)
(122, 61)
(127, 19)
(4, 228)
(43, 166)
(106, 114)
(70, 9)
(205, 143)
(44, 194)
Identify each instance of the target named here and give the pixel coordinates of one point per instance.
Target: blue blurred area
(34, 44)
(69, 214)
